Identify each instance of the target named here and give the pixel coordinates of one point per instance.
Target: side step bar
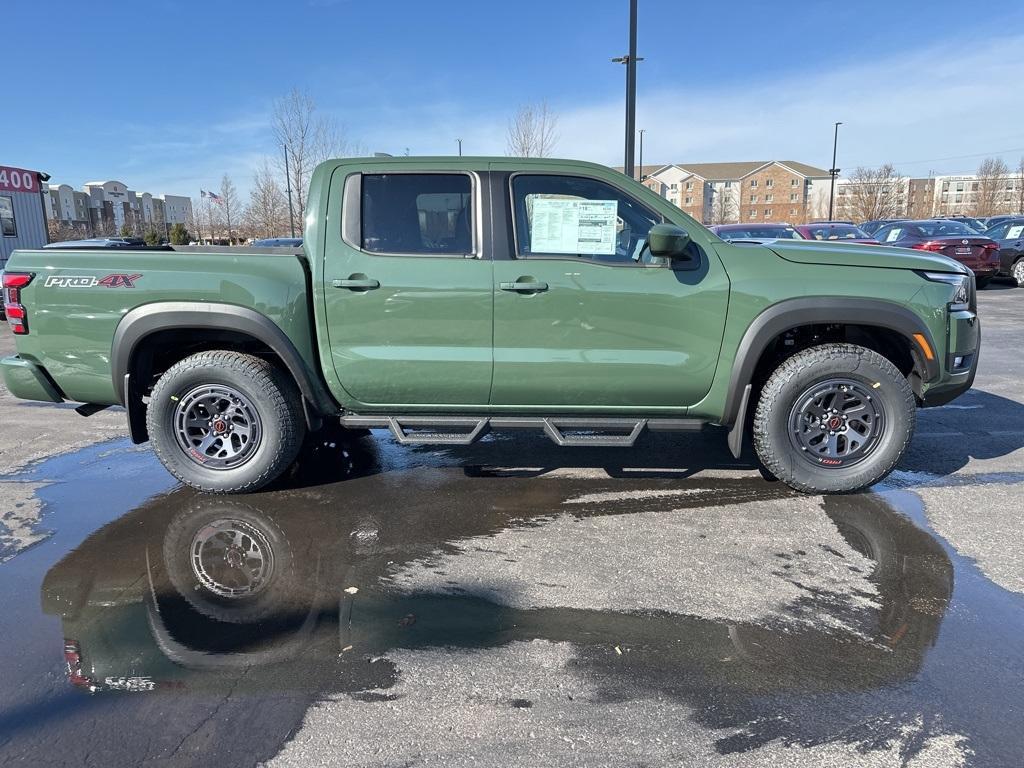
(566, 431)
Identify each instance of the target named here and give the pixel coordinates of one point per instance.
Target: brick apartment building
(761, 190)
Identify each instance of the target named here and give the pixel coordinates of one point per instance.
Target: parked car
(100, 242)
(995, 221)
(278, 242)
(835, 230)
(951, 238)
(871, 227)
(596, 311)
(756, 231)
(1010, 237)
(977, 225)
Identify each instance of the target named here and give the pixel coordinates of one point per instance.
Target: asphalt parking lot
(514, 603)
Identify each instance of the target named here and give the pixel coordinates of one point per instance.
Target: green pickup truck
(442, 298)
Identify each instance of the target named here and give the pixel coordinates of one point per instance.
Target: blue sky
(167, 95)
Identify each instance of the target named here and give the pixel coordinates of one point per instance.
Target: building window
(793, 197)
(792, 211)
(8, 227)
(794, 182)
(767, 212)
(689, 200)
(753, 198)
(769, 198)
(728, 184)
(753, 182)
(959, 198)
(674, 187)
(960, 187)
(769, 182)
(689, 186)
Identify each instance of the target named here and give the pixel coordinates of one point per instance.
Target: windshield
(944, 228)
(836, 232)
(759, 232)
(1008, 230)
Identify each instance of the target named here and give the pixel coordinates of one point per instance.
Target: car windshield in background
(837, 232)
(944, 228)
(755, 232)
(1008, 230)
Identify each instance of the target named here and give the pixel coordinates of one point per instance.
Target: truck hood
(859, 255)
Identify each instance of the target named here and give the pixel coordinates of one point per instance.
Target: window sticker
(573, 226)
(1014, 232)
(894, 234)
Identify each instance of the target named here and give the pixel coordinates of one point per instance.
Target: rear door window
(419, 214)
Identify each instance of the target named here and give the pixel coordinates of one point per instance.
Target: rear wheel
(834, 419)
(225, 422)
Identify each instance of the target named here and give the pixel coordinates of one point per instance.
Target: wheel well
(158, 351)
(892, 345)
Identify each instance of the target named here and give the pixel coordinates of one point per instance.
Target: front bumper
(28, 381)
(963, 346)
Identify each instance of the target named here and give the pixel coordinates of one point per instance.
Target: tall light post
(641, 171)
(460, 146)
(833, 172)
(630, 61)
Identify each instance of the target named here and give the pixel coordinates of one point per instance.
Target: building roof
(737, 170)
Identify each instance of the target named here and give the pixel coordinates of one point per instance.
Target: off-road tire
(823, 363)
(271, 392)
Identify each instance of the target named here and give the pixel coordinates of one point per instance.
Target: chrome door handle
(520, 286)
(357, 284)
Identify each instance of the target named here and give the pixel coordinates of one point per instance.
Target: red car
(954, 239)
(842, 231)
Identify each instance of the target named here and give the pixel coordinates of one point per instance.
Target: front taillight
(17, 317)
(930, 245)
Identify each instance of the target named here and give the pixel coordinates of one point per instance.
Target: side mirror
(667, 241)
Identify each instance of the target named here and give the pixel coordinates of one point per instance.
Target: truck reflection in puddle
(288, 590)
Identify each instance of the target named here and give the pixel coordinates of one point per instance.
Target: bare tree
(532, 131)
(194, 224)
(228, 202)
(1019, 184)
(992, 176)
(723, 207)
(267, 212)
(309, 138)
(874, 193)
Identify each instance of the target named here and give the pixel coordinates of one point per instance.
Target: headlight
(961, 299)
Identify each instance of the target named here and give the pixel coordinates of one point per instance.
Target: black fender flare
(148, 319)
(793, 313)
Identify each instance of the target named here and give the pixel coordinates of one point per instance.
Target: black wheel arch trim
(142, 322)
(793, 313)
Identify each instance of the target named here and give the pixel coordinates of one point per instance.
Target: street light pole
(640, 172)
(460, 147)
(288, 184)
(630, 61)
(833, 172)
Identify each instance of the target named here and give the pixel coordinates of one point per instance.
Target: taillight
(73, 659)
(930, 245)
(17, 317)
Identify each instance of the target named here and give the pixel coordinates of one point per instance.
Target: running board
(566, 431)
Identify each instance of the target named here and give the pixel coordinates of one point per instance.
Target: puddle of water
(247, 606)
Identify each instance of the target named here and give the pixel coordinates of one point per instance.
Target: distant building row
(795, 192)
(105, 207)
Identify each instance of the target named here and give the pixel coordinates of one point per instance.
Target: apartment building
(761, 190)
(922, 198)
(105, 207)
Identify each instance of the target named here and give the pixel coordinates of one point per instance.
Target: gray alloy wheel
(835, 422)
(217, 426)
(1018, 272)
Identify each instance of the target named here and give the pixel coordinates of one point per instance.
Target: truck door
(583, 315)
(408, 290)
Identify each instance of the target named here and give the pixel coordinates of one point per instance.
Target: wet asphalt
(513, 603)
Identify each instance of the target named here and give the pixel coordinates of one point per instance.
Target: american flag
(213, 197)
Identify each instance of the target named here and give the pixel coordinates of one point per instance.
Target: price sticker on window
(561, 225)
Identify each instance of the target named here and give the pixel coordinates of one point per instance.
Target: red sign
(18, 180)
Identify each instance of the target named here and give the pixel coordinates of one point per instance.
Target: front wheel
(225, 422)
(1018, 272)
(834, 418)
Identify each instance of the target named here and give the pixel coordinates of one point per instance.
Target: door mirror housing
(668, 241)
